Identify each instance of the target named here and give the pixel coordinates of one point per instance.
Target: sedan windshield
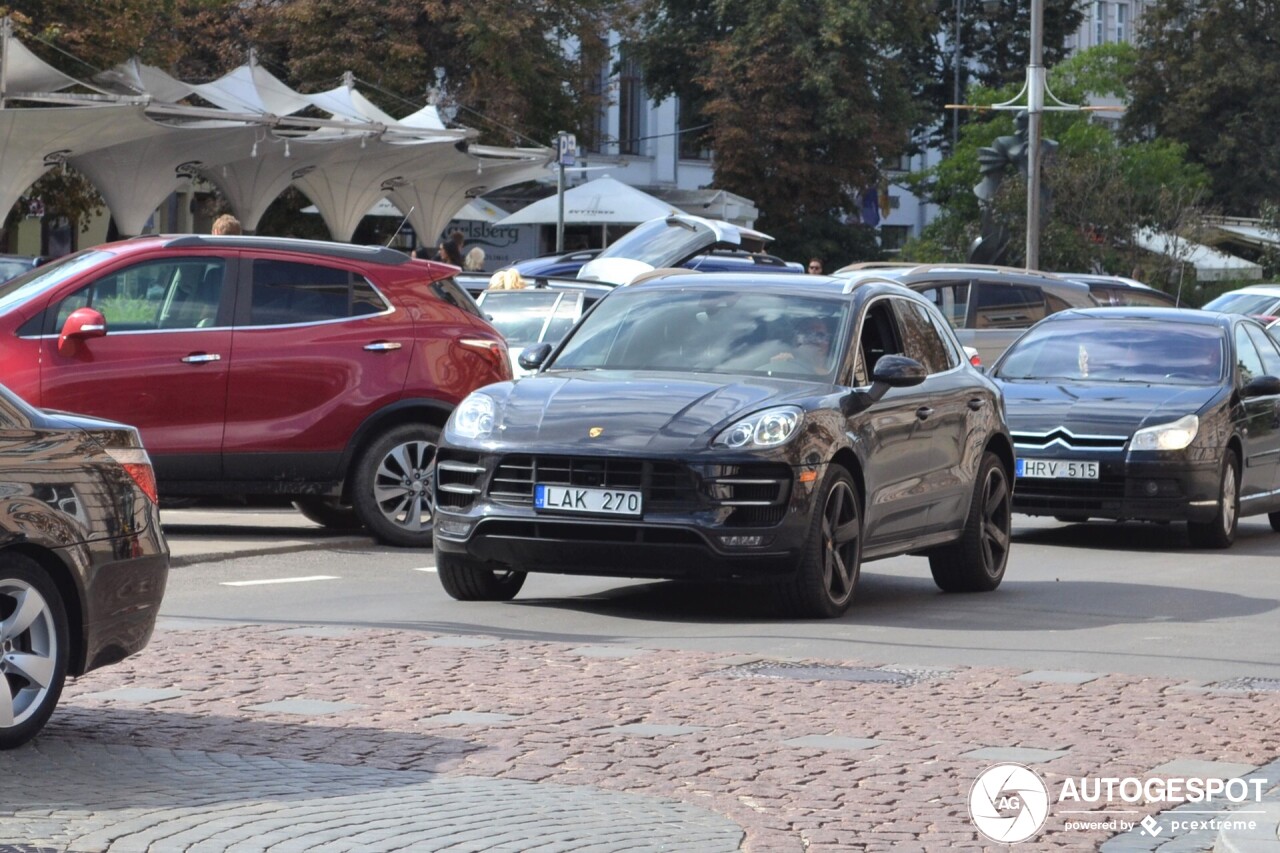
(710, 331)
(1243, 303)
(1152, 352)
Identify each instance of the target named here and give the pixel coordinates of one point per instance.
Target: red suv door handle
(382, 346)
(201, 357)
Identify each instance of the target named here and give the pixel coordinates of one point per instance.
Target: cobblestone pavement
(322, 738)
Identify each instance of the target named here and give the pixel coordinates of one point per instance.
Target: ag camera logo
(1008, 803)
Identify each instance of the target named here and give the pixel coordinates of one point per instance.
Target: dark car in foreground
(254, 366)
(1157, 414)
(83, 561)
(727, 427)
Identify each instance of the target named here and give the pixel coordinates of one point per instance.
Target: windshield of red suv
(17, 290)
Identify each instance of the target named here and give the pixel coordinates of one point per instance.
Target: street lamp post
(955, 86)
(1035, 117)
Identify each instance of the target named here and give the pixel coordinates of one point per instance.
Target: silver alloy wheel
(1230, 501)
(402, 485)
(841, 528)
(28, 651)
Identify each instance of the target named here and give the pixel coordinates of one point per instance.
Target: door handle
(201, 357)
(977, 403)
(923, 412)
(382, 346)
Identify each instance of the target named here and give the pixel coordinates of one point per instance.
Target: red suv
(319, 372)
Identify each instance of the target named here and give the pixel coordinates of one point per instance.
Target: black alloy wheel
(827, 577)
(976, 561)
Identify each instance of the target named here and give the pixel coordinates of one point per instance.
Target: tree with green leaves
(1209, 79)
(803, 100)
(1103, 189)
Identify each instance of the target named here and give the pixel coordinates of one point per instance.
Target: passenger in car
(811, 346)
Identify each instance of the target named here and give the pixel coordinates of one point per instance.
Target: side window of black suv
(922, 340)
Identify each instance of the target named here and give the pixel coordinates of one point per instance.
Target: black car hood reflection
(1098, 408)
(628, 411)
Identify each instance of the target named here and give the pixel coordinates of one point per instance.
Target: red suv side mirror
(84, 323)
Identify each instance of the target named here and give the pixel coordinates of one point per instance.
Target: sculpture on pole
(993, 163)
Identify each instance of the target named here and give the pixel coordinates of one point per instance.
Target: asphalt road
(1114, 598)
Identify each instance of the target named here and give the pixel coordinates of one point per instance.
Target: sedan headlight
(474, 418)
(1174, 436)
(763, 429)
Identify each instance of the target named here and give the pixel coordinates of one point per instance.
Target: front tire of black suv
(976, 561)
(467, 580)
(827, 578)
(391, 489)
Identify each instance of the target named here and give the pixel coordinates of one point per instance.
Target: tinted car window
(1247, 359)
(450, 291)
(174, 293)
(1267, 349)
(1009, 306)
(1116, 351)
(920, 338)
(287, 292)
(952, 300)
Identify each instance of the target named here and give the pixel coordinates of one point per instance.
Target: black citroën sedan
(732, 427)
(1151, 414)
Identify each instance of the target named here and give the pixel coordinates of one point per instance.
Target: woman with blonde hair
(474, 262)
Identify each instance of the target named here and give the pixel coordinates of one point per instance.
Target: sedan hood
(651, 412)
(1093, 408)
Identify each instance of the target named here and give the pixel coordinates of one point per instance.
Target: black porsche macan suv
(735, 427)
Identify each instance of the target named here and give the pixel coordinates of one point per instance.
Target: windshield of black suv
(1153, 352)
(710, 331)
(17, 290)
(662, 242)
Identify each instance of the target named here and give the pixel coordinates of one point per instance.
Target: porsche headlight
(763, 429)
(474, 418)
(1172, 436)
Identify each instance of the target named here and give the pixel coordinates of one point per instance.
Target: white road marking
(425, 569)
(282, 580)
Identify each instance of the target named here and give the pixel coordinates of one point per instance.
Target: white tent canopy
(1210, 264)
(475, 210)
(139, 137)
(604, 201)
